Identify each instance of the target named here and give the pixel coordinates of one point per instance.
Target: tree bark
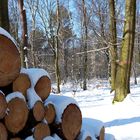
(85, 46)
(57, 71)
(122, 86)
(4, 17)
(113, 49)
(24, 34)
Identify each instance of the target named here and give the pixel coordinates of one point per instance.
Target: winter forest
(88, 51)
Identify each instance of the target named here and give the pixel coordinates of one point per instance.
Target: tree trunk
(124, 66)
(24, 34)
(113, 49)
(85, 46)
(57, 71)
(4, 17)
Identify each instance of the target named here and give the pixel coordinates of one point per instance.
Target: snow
(2, 93)
(35, 74)
(60, 103)
(121, 120)
(32, 97)
(13, 95)
(5, 33)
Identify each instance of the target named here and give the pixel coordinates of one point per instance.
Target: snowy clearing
(121, 120)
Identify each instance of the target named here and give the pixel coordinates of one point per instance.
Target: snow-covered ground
(121, 120)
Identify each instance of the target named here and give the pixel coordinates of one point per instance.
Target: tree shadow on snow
(119, 122)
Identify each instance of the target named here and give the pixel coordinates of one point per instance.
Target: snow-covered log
(68, 117)
(50, 113)
(3, 132)
(17, 112)
(10, 62)
(41, 131)
(3, 105)
(22, 83)
(92, 128)
(40, 81)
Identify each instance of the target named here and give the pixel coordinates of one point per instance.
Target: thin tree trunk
(24, 34)
(124, 66)
(113, 49)
(57, 71)
(4, 17)
(85, 46)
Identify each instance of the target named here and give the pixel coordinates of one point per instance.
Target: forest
(62, 46)
(77, 40)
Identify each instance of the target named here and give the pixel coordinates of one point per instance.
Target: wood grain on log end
(15, 139)
(43, 87)
(50, 113)
(41, 131)
(71, 122)
(3, 132)
(17, 115)
(10, 62)
(3, 106)
(39, 111)
(22, 83)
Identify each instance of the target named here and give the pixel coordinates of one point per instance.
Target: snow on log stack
(28, 111)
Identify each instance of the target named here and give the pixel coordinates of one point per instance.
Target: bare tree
(24, 34)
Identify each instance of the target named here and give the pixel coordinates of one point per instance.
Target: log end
(10, 62)
(22, 83)
(50, 113)
(39, 111)
(43, 87)
(71, 122)
(3, 132)
(17, 116)
(41, 131)
(3, 106)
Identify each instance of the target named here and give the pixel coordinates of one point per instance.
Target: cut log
(17, 115)
(102, 134)
(50, 113)
(22, 83)
(3, 105)
(39, 111)
(3, 132)
(68, 120)
(9, 61)
(40, 81)
(43, 87)
(92, 128)
(41, 131)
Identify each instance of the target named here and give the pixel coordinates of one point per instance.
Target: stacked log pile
(27, 109)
